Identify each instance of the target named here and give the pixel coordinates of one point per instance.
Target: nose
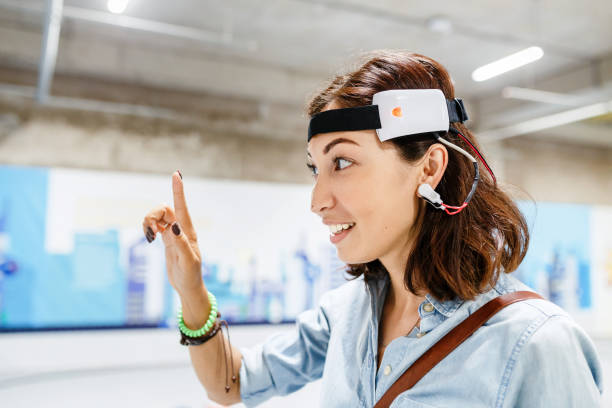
(321, 198)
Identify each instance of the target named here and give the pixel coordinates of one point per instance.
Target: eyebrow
(333, 143)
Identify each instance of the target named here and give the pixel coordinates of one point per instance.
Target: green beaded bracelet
(207, 326)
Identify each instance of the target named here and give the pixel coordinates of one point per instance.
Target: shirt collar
(445, 308)
(448, 307)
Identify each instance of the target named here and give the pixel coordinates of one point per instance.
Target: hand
(183, 259)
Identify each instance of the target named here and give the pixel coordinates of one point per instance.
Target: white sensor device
(429, 194)
(408, 112)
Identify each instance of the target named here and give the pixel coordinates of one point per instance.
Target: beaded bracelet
(212, 317)
(196, 341)
(203, 334)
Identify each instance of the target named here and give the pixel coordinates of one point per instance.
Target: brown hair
(453, 256)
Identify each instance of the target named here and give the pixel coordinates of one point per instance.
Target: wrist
(195, 308)
(197, 290)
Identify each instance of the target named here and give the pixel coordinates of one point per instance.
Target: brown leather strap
(449, 342)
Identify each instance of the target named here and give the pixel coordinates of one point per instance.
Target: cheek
(383, 201)
(362, 199)
(391, 208)
(385, 215)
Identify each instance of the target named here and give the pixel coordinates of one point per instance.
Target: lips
(337, 228)
(337, 237)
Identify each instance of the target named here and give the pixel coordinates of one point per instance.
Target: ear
(434, 165)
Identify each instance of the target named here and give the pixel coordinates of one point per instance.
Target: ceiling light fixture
(547, 122)
(508, 63)
(439, 24)
(117, 6)
(536, 95)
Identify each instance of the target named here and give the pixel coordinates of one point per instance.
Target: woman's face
(360, 180)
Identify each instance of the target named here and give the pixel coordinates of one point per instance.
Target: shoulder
(544, 341)
(532, 322)
(527, 312)
(529, 323)
(553, 361)
(535, 328)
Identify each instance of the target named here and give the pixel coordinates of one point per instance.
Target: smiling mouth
(337, 229)
(340, 235)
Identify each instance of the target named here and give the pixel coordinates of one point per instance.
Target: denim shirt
(530, 354)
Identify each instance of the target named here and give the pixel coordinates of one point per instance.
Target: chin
(351, 257)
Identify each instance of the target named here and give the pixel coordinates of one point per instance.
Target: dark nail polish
(150, 235)
(179, 172)
(176, 229)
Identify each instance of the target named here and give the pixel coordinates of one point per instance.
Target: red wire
(459, 209)
(454, 208)
(477, 153)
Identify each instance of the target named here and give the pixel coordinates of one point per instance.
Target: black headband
(367, 117)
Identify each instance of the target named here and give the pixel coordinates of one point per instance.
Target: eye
(337, 160)
(312, 168)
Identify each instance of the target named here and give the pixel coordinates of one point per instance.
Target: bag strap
(449, 342)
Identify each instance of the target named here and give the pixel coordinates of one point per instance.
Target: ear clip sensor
(429, 194)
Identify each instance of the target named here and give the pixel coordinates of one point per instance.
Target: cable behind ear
(482, 159)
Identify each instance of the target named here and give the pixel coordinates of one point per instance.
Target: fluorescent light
(210, 37)
(547, 122)
(117, 6)
(537, 95)
(508, 63)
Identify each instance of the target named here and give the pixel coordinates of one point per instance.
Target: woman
(421, 272)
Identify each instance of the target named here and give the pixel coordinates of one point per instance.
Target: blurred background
(101, 100)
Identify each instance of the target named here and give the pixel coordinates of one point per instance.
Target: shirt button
(428, 307)
(387, 370)
(420, 334)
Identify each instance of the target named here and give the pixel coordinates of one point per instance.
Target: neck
(399, 299)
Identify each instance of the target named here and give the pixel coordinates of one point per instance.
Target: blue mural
(558, 263)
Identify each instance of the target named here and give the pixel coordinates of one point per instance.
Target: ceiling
(280, 51)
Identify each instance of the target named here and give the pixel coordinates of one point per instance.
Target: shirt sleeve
(555, 365)
(286, 362)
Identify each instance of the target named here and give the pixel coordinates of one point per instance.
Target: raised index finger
(180, 206)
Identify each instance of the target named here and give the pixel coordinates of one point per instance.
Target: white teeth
(336, 228)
